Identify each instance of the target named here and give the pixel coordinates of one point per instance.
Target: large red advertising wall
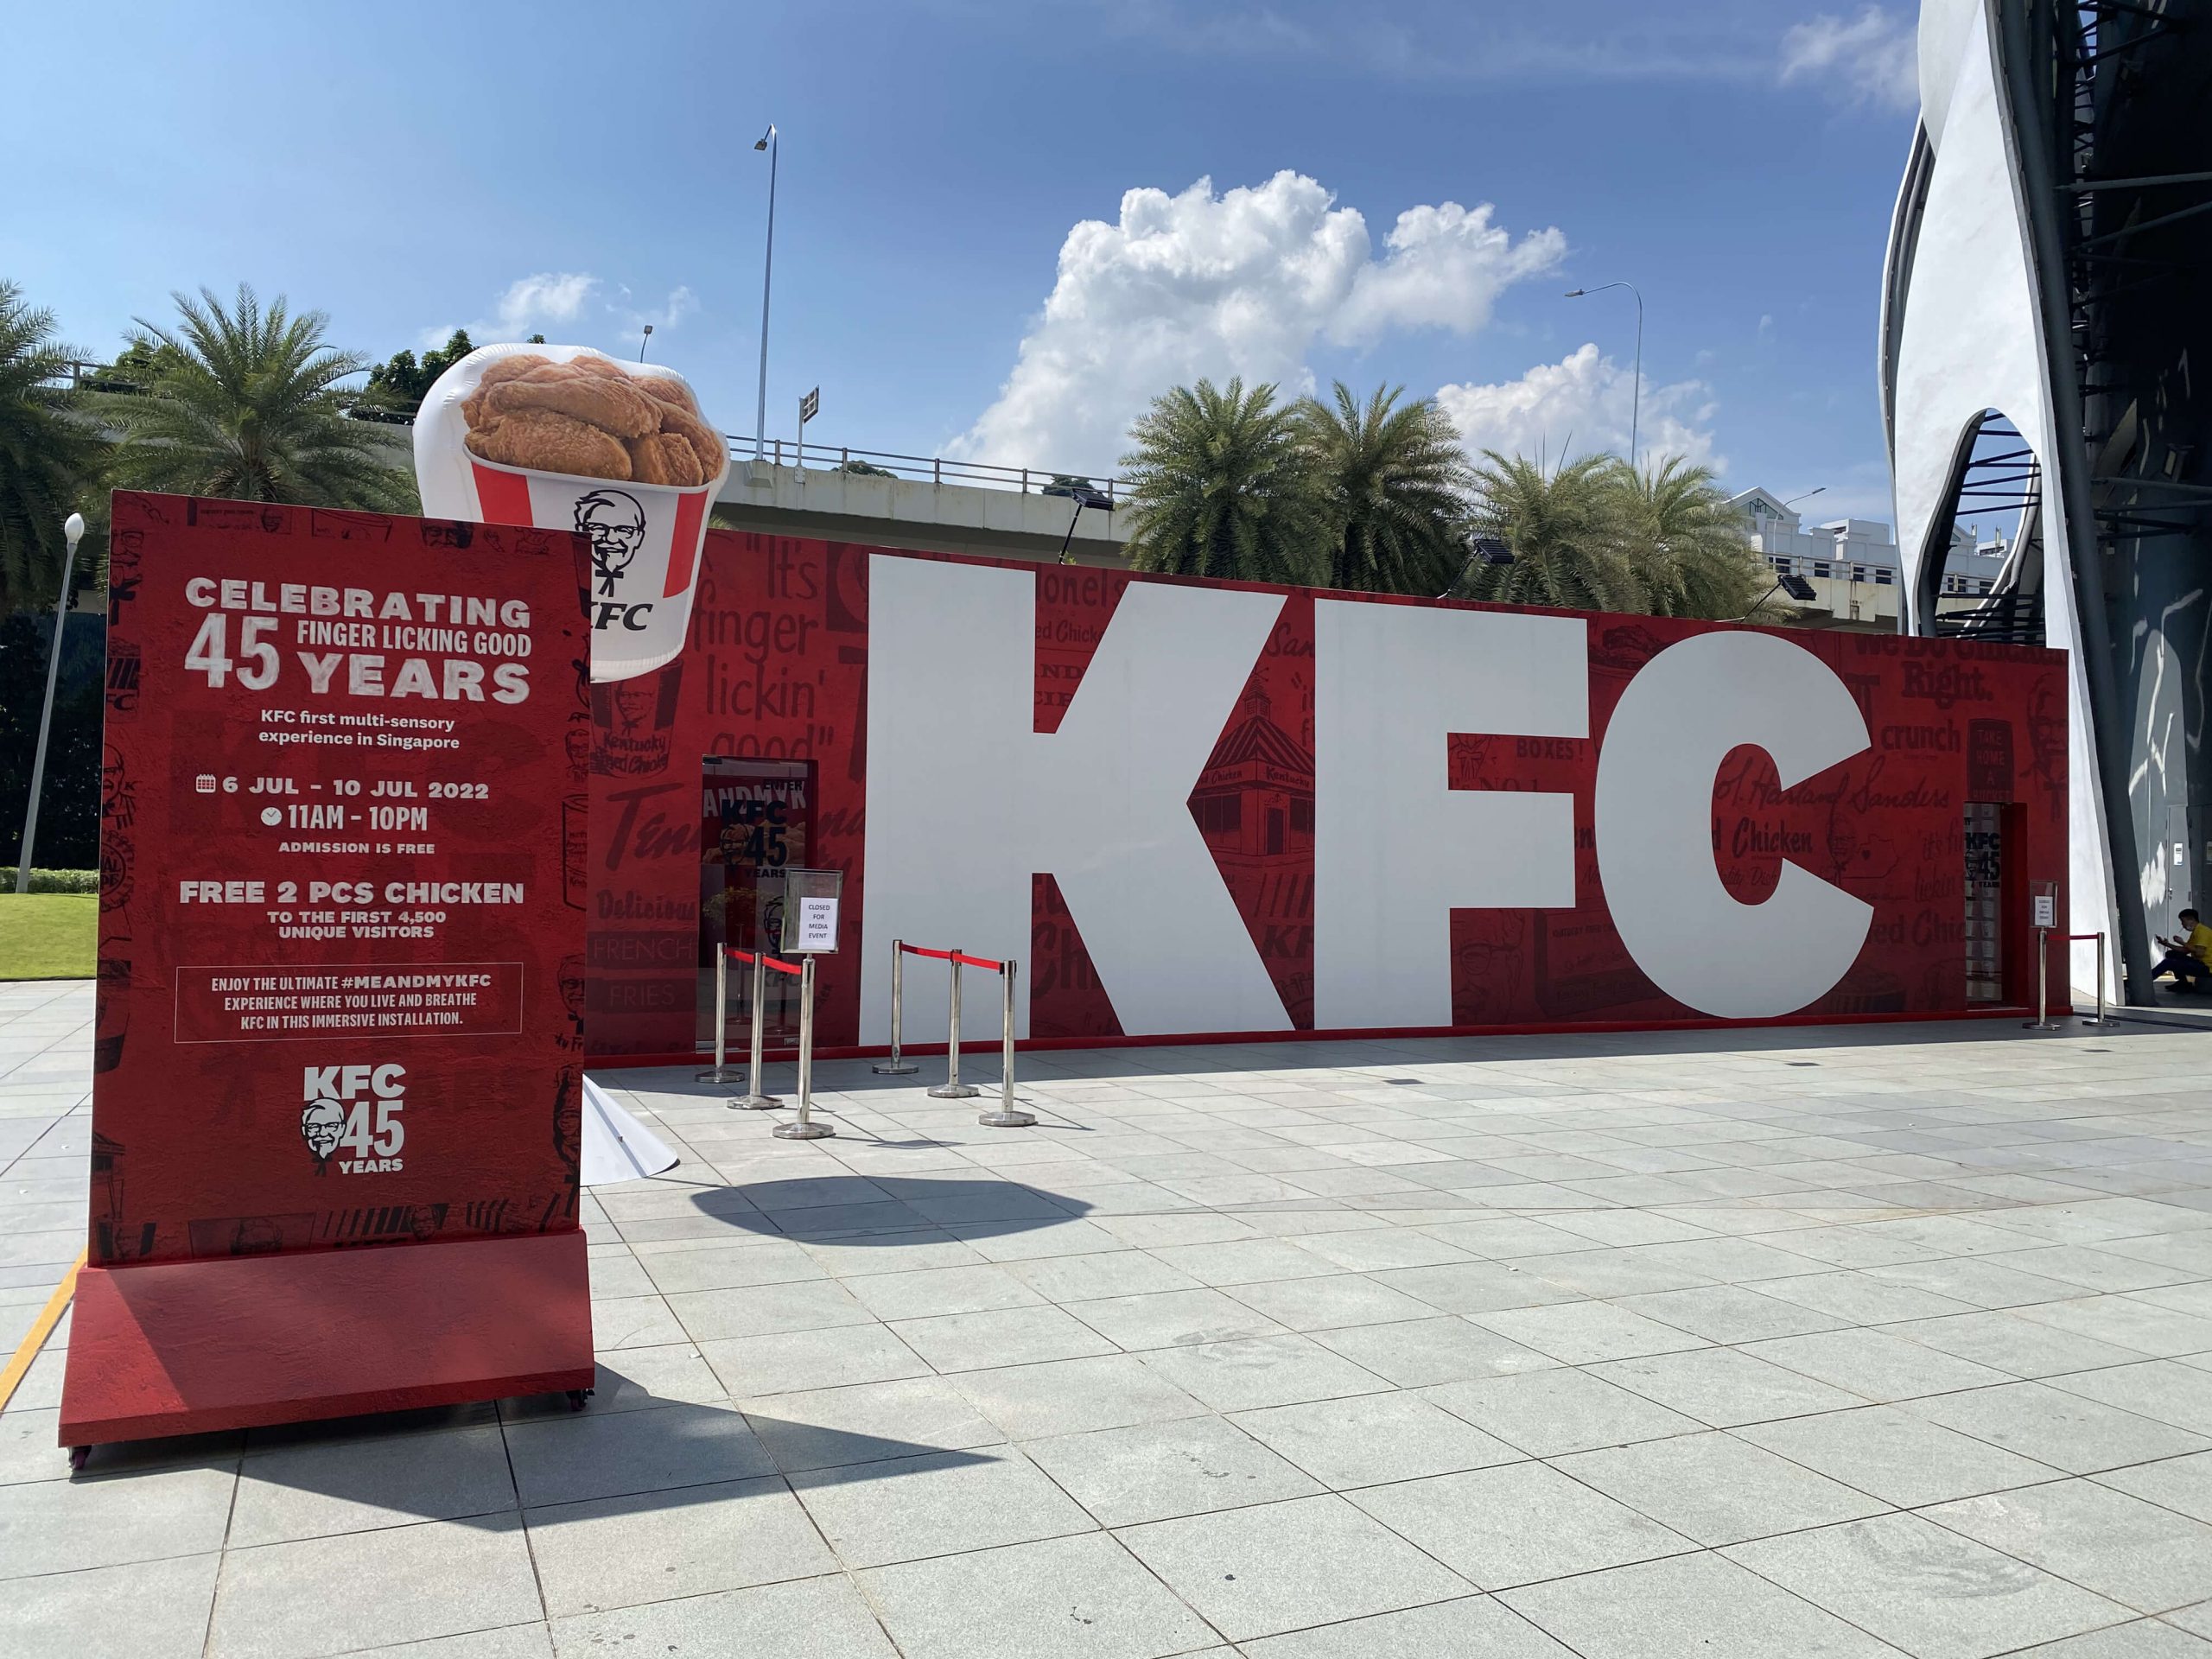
(776, 667)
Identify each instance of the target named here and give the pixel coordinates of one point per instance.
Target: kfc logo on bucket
(352, 1116)
(562, 437)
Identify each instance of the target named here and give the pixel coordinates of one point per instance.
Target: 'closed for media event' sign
(341, 918)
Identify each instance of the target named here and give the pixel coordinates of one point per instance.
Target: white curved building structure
(2043, 321)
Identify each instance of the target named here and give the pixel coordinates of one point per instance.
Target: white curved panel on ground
(966, 800)
(1972, 339)
(1395, 848)
(1682, 715)
(616, 1147)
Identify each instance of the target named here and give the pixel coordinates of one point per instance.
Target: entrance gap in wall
(756, 818)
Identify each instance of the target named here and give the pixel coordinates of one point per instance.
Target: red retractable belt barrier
(953, 956)
(781, 967)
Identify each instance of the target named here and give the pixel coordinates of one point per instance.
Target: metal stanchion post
(952, 1087)
(804, 1128)
(1008, 1115)
(2042, 1020)
(720, 1072)
(896, 1067)
(2101, 1018)
(753, 1099)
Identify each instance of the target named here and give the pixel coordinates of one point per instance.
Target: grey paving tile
(1516, 1524)
(1372, 1438)
(812, 1359)
(2179, 1484)
(867, 1422)
(2129, 1322)
(2067, 1431)
(1581, 1333)
(2160, 1389)
(565, 1459)
(1284, 1567)
(924, 1292)
(1689, 1607)
(1330, 1303)
(1171, 1318)
(1471, 1625)
(1925, 1588)
(2145, 1639)
(109, 1521)
(1014, 1336)
(1416, 1353)
(1070, 1396)
(1718, 1489)
(1724, 1388)
(940, 1503)
(2113, 1542)
(1245, 1261)
(401, 1584)
(1876, 1365)
(2025, 1348)
(1852, 1295)
(146, 1610)
(1082, 1596)
(763, 1309)
(1730, 1313)
(1154, 1471)
(1092, 1274)
(1247, 1374)
(1475, 1286)
(810, 1618)
(316, 1489)
(509, 1641)
(620, 1552)
(1896, 1456)
(1546, 1414)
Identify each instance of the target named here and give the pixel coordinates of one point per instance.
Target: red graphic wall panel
(776, 668)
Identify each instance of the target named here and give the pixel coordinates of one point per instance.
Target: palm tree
(49, 459)
(1562, 529)
(1221, 486)
(1685, 543)
(244, 403)
(1396, 484)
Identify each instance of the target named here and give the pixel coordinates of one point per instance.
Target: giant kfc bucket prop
(562, 438)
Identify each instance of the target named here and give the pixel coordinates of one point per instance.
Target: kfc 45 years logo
(351, 1115)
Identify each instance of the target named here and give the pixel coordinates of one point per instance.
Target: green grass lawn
(48, 935)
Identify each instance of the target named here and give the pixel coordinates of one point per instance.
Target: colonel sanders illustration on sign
(616, 524)
(320, 1125)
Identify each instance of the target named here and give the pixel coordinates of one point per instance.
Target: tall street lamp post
(1636, 393)
(73, 532)
(768, 142)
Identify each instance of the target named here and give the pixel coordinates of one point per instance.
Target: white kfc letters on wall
(967, 801)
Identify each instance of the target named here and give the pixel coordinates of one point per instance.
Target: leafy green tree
(1394, 484)
(50, 458)
(244, 402)
(398, 384)
(1221, 485)
(1684, 543)
(1561, 528)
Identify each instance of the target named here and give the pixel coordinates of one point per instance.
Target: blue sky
(956, 265)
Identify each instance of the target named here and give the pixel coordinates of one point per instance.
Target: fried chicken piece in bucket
(673, 392)
(505, 368)
(706, 443)
(611, 404)
(548, 442)
(663, 458)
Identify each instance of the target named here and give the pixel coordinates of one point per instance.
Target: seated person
(2189, 957)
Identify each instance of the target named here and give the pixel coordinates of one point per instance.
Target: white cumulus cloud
(573, 308)
(1871, 59)
(1580, 405)
(531, 303)
(1241, 282)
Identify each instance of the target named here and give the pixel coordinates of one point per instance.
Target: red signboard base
(238, 1341)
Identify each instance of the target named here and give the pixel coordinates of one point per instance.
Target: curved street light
(73, 532)
(770, 141)
(1636, 392)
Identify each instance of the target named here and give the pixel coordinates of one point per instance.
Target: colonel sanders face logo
(320, 1125)
(634, 702)
(616, 524)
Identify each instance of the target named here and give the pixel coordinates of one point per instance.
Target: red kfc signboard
(337, 1092)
